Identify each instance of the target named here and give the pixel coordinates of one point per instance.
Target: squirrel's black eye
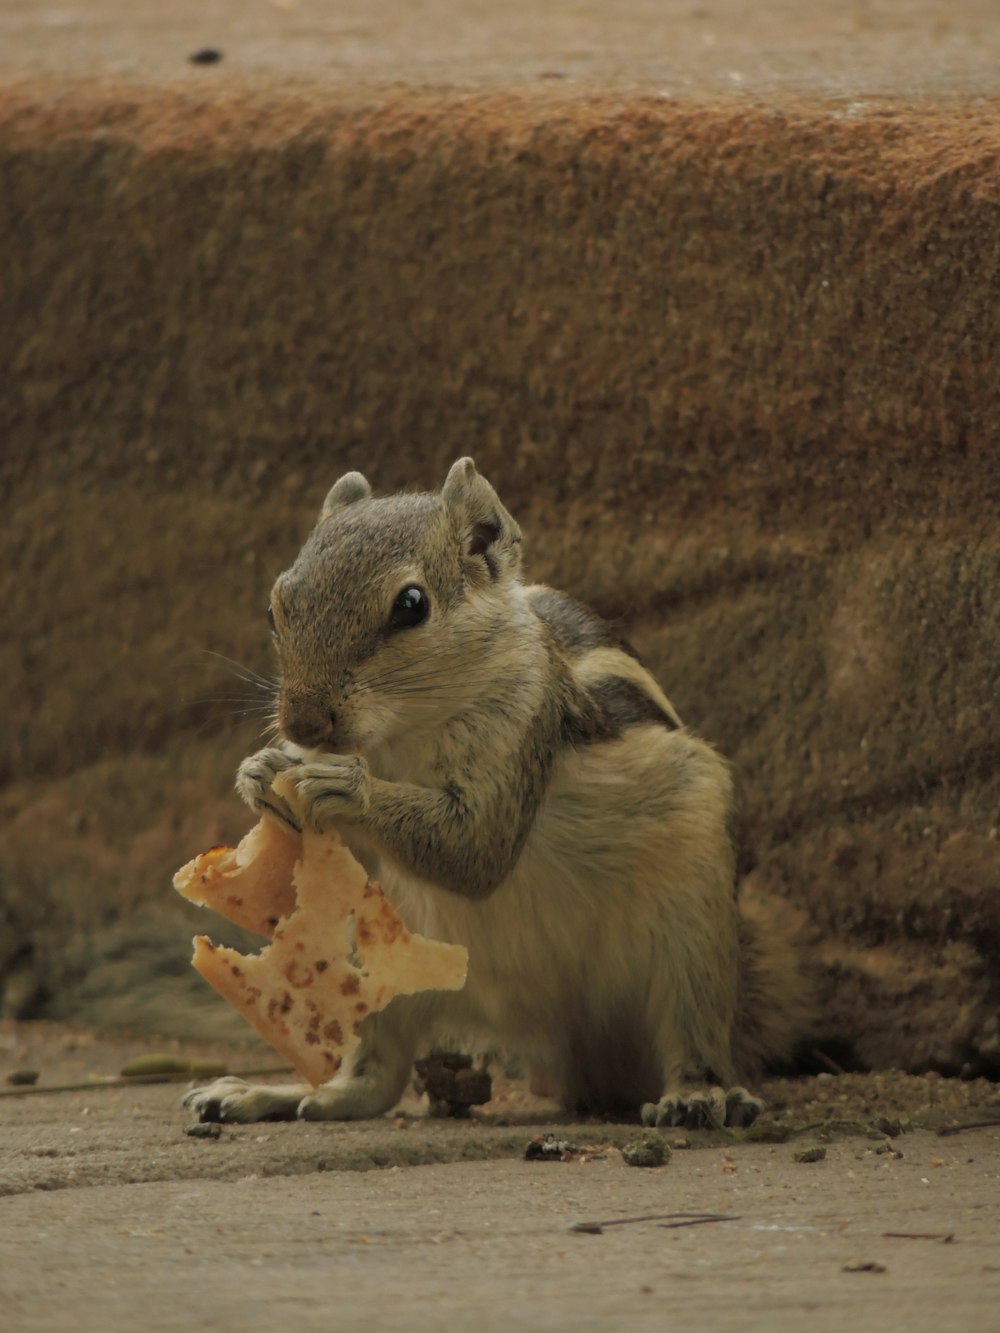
(411, 607)
(270, 622)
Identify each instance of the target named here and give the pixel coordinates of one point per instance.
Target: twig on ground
(944, 1130)
(824, 1059)
(946, 1236)
(664, 1219)
(101, 1083)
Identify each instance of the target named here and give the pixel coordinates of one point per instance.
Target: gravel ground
(113, 1218)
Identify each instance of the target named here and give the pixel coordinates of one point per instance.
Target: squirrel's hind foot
(704, 1108)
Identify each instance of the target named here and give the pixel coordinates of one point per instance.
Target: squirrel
(500, 759)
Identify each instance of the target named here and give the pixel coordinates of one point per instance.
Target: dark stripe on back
(626, 704)
(612, 705)
(575, 626)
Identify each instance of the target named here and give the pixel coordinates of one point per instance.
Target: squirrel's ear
(490, 535)
(347, 491)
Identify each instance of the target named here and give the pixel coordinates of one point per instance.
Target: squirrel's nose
(306, 722)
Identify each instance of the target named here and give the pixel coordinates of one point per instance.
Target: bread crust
(339, 951)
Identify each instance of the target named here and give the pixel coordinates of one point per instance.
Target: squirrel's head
(387, 618)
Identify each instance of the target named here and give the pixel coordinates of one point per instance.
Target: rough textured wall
(732, 368)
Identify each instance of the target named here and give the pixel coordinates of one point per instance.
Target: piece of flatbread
(339, 950)
(252, 884)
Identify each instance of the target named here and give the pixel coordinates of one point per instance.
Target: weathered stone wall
(732, 368)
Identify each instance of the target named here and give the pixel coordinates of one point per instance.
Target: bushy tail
(776, 1011)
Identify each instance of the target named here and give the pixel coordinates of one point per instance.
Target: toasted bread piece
(250, 884)
(339, 950)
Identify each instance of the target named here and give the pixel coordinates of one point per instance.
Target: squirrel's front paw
(253, 782)
(333, 789)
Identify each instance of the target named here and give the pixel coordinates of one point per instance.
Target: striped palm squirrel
(500, 759)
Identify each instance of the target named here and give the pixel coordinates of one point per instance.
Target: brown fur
(527, 790)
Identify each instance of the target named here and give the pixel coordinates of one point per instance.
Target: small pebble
(208, 55)
(23, 1078)
(203, 1131)
(650, 1150)
(548, 1148)
(892, 1128)
(809, 1155)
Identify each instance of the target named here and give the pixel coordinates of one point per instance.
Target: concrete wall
(733, 369)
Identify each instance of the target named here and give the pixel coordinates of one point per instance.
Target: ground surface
(112, 1217)
(877, 47)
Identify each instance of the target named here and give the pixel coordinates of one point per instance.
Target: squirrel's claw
(253, 782)
(333, 789)
(704, 1108)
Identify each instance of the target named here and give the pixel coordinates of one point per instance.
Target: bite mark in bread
(339, 949)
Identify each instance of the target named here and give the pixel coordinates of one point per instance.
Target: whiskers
(431, 688)
(263, 684)
(259, 700)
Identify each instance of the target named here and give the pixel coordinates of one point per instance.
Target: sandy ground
(111, 1217)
